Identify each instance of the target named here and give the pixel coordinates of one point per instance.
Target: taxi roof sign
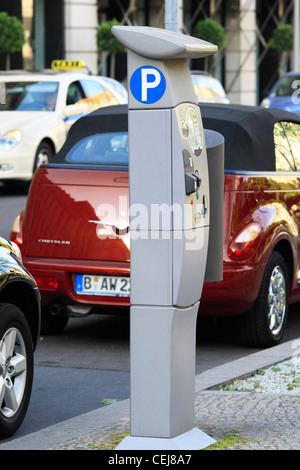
(67, 64)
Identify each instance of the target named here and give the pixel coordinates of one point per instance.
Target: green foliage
(106, 41)
(234, 388)
(11, 33)
(282, 38)
(211, 31)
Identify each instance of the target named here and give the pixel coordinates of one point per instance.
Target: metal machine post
(169, 226)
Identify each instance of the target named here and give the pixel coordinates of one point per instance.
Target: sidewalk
(260, 421)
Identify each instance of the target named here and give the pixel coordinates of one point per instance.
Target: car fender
(55, 132)
(277, 226)
(14, 278)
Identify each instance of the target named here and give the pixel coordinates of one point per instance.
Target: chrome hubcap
(42, 158)
(12, 372)
(277, 300)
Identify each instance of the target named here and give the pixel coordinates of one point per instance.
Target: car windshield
(287, 86)
(102, 149)
(207, 87)
(30, 96)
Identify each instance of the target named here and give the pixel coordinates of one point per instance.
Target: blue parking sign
(147, 84)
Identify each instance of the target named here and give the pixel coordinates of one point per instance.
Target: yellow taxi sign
(67, 64)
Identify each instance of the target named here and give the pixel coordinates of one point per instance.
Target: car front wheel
(43, 156)
(16, 368)
(265, 324)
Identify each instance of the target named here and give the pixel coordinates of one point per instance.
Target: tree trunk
(112, 64)
(7, 61)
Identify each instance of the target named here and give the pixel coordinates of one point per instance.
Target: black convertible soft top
(248, 132)
(107, 119)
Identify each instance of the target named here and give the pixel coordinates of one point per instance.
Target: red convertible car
(74, 232)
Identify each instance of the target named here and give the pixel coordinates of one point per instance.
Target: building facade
(67, 29)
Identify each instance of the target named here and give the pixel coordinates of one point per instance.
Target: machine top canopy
(156, 43)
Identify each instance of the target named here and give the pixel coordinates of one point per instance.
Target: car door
(77, 104)
(98, 96)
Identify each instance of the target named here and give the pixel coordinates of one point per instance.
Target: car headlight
(9, 140)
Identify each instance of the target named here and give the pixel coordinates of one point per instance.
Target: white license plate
(89, 284)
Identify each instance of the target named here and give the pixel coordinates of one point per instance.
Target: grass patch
(231, 439)
(108, 401)
(113, 440)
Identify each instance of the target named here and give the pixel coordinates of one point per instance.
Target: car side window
(109, 148)
(292, 131)
(98, 95)
(75, 93)
(283, 153)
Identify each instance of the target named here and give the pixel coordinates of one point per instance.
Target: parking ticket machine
(169, 225)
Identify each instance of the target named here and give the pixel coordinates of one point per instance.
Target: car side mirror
(74, 110)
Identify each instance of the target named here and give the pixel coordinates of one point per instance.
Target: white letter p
(146, 84)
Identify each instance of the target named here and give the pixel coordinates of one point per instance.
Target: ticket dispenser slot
(169, 226)
(192, 183)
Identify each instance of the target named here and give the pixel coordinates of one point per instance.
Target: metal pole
(171, 15)
(296, 35)
(39, 22)
(180, 16)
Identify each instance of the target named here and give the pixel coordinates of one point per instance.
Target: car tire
(265, 324)
(43, 155)
(52, 324)
(16, 368)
